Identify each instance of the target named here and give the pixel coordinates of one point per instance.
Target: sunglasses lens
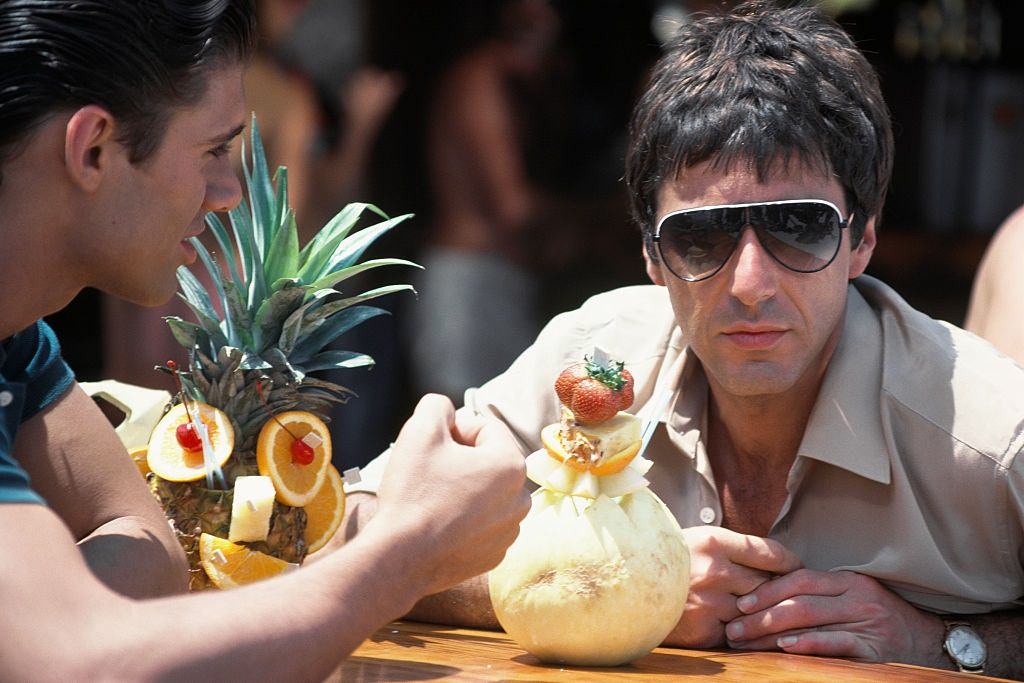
(695, 245)
(803, 237)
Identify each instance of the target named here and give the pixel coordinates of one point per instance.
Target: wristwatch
(965, 647)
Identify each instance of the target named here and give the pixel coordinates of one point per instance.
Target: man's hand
(723, 565)
(837, 614)
(455, 490)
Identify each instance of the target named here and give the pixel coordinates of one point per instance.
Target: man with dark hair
(846, 469)
(116, 118)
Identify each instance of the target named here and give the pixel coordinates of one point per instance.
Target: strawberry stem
(609, 375)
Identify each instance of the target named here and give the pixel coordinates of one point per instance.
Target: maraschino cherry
(186, 433)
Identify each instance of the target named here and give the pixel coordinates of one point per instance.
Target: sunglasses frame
(843, 223)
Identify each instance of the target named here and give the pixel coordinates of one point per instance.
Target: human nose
(223, 189)
(754, 273)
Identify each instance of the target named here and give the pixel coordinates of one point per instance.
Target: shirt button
(707, 515)
(5, 398)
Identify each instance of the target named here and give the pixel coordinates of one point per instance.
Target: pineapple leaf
(353, 246)
(252, 361)
(267, 328)
(315, 254)
(224, 242)
(337, 360)
(283, 256)
(330, 308)
(290, 331)
(340, 275)
(261, 193)
(279, 362)
(196, 295)
(281, 183)
(252, 261)
(231, 322)
(331, 328)
(238, 319)
(185, 333)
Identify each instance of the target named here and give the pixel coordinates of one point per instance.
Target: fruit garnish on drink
(592, 448)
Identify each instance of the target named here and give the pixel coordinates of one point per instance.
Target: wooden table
(406, 651)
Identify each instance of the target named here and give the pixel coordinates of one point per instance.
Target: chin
(758, 378)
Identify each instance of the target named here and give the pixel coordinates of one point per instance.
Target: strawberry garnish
(593, 392)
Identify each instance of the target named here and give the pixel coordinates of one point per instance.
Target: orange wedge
(230, 565)
(139, 455)
(612, 464)
(325, 512)
(170, 461)
(296, 483)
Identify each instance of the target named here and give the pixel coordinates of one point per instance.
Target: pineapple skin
(193, 509)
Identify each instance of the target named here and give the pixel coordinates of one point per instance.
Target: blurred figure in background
(477, 296)
(996, 310)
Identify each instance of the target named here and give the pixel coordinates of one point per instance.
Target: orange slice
(325, 512)
(170, 461)
(612, 464)
(230, 565)
(139, 458)
(296, 484)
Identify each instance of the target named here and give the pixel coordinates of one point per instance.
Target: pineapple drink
(250, 359)
(599, 573)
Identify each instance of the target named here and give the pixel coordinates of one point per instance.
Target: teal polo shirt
(32, 376)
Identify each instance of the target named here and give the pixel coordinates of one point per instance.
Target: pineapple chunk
(250, 511)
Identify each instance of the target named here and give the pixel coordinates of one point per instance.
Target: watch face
(965, 647)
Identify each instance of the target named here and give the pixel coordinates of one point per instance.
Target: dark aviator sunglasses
(801, 234)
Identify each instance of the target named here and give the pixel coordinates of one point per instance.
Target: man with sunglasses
(846, 469)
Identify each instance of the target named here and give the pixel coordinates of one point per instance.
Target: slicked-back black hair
(140, 59)
(758, 86)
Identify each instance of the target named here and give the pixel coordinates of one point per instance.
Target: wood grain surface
(407, 651)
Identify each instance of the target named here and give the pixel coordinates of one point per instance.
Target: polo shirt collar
(845, 427)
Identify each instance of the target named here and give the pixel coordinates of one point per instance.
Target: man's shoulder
(952, 379)
(626, 322)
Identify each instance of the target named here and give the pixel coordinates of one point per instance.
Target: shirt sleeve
(33, 359)
(32, 376)
(632, 324)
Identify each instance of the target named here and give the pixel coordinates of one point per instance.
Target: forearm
(336, 604)
(467, 604)
(134, 558)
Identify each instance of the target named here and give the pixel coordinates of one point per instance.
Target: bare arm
(79, 466)
(446, 511)
(996, 310)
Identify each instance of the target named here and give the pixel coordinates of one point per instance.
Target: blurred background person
(477, 295)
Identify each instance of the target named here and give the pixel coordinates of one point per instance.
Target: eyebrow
(226, 137)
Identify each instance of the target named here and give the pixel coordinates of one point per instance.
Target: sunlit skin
(763, 333)
(152, 208)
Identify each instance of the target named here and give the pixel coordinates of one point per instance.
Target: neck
(36, 279)
(766, 430)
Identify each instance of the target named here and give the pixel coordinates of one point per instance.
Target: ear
(653, 267)
(89, 146)
(861, 256)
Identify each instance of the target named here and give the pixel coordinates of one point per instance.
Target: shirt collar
(845, 427)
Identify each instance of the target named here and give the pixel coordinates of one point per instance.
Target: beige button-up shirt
(909, 470)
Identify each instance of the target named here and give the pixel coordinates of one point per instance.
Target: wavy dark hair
(755, 86)
(139, 59)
